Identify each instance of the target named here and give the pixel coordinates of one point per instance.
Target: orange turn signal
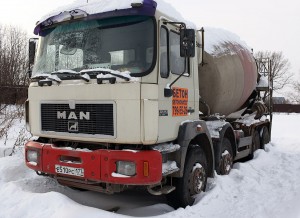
(146, 169)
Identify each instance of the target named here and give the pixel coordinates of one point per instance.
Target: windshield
(122, 44)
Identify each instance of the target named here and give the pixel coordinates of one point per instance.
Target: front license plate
(72, 171)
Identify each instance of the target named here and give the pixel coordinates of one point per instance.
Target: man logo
(73, 126)
(72, 115)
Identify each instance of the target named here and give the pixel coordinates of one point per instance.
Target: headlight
(32, 156)
(126, 168)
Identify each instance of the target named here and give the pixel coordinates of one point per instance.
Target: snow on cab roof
(214, 38)
(94, 7)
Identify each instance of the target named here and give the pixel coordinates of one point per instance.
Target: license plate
(72, 171)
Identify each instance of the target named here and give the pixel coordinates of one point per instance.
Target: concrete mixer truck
(129, 95)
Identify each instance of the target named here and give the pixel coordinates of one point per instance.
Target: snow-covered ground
(12, 129)
(267, 186)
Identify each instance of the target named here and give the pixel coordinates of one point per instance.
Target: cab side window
(177, 62)
(164, 52)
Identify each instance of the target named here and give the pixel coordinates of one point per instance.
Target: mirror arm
(172, 83)
(202, 50)
(168, 93)
(182, 25)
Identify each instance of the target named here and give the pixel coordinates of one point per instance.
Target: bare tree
(280, 68)
(13, 62)
(295, 94)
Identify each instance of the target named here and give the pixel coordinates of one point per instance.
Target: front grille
(84, 119)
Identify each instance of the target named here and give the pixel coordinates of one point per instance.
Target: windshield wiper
(40, 76)
(95, 73)
(57, 76)
(46, 79)
(71, 74)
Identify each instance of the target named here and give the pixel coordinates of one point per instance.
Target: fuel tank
(228, 75)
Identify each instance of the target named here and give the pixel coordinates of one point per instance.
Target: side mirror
(32, 50)
(187, 42)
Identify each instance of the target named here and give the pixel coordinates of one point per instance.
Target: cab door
(180, 106)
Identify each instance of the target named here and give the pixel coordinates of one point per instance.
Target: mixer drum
(227, 78)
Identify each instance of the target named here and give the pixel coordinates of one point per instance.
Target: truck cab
(120, 65)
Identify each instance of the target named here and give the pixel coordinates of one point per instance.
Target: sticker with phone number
(180, 102)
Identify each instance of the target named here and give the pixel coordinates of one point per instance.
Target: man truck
(127, 95)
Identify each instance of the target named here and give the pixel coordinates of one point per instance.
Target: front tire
(193, 181)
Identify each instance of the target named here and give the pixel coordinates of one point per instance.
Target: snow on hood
(113, 73)
(91, 7)
(219, 41)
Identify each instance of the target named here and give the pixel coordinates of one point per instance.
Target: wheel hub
(197, 180)
(226, 163)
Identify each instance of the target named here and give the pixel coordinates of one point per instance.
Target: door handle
(191, 110)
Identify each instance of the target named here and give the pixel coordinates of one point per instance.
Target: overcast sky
(263, 24)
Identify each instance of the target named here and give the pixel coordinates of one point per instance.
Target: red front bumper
(98, 165)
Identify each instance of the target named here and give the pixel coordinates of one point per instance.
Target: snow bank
(267, 186)
(14, 128)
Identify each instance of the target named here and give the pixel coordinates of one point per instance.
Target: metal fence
(286, 108)
(13, 94)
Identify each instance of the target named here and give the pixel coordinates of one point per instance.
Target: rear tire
(193, 181)
(256, 141)
(264, 137)
(255, 144)
(225, 159)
